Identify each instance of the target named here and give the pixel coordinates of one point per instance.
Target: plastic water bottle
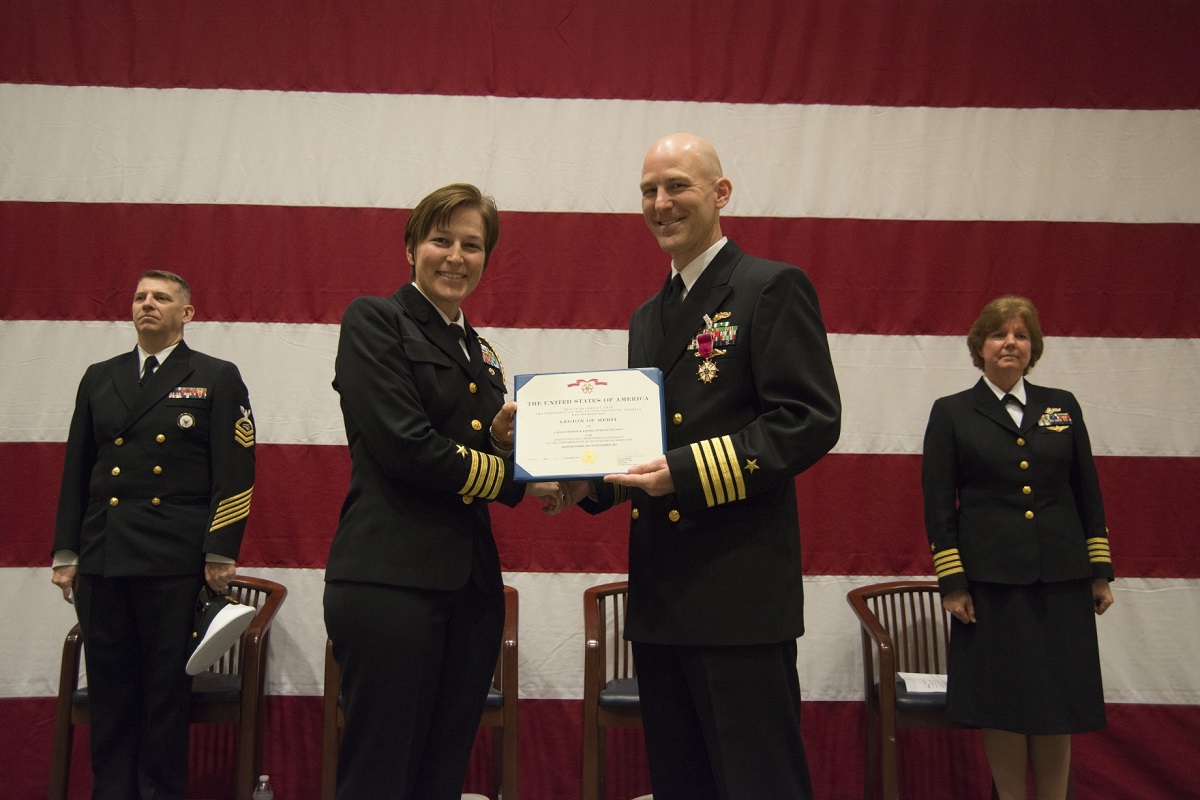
(263, 790)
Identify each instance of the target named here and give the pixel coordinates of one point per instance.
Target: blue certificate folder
(573, 425)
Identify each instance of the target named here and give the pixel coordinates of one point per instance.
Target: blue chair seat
(207, 687)
(917, 701)
(621, 693)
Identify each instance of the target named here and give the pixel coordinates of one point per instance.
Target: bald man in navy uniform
(156, 489)
(716, 600)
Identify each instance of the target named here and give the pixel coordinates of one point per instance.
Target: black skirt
(1030, 663)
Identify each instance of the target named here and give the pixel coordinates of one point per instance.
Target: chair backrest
(607, 656)
(264, 595)
(906, 621)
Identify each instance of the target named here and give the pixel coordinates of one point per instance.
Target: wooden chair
(499, 713)
(230, 692)
(904, 629)
(610, 690)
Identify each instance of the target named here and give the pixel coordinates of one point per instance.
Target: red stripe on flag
(1067, 54)
(556, 270)
(934, 765)
(859, 515)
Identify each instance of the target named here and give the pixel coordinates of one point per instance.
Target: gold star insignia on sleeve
(461, 450)
(751, 465)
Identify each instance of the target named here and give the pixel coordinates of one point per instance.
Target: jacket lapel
(436, 331)
(987, 404)
(125, 379)
(1035, 406)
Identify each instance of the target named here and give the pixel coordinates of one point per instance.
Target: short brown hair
(436, 208)
(163, 275)
(998, 312)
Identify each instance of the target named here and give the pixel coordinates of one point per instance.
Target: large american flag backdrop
(916, 158)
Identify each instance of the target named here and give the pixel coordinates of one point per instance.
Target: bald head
(683, 191)
(688, 148)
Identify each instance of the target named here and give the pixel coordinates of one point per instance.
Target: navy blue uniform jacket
(1009, 504)
(157, 476)
(417, 421)
(718, 561)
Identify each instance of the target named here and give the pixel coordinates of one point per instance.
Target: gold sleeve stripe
(716, 466)
(713, 472)
(739, 486)
(620, 494)
(232, 509)
(702, 474)
(491, 488)
(947, 563)
(485, 477)
(1098, 550)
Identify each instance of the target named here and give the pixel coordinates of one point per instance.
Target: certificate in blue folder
(574, 425)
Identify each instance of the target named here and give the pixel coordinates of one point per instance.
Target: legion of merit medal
(705, 347)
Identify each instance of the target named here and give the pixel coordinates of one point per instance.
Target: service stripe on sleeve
(232, 509)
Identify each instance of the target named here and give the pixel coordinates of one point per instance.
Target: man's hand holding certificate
(587, 424)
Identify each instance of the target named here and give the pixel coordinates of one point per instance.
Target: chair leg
(60, 761)
(871, 756)
(249, 747)
(498, 775)
(329, 757)
(591, 778)
(509, 782)
(889, 774)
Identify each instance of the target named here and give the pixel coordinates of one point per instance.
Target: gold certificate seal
(588, 457)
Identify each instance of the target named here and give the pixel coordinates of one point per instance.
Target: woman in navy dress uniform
(1016, 526)
(414, 600)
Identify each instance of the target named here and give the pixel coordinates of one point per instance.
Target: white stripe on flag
(1136, 393)
(101, 144)
(1148, 612)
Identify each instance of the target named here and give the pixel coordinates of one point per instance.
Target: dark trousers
(136, 634)
(416, 665)
(722, 723)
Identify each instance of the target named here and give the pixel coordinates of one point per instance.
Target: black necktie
(1008, 398)
(672, 300)
(148, 369)
(460, 335)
